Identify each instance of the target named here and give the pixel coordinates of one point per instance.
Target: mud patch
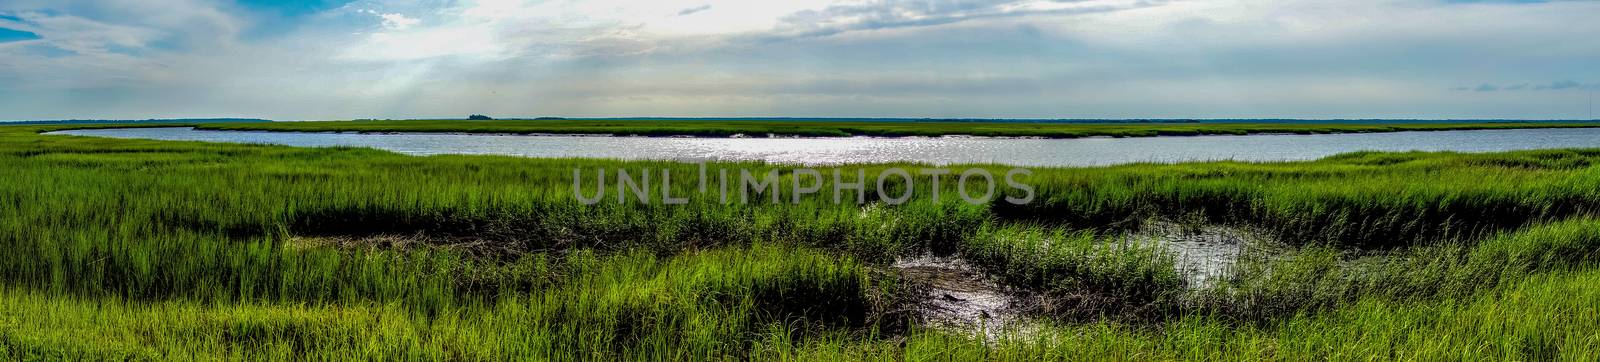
(391, 242)
(478, 248)
(958, 296)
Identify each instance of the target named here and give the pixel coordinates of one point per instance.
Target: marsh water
(934, 150)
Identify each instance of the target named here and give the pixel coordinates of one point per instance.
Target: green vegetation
(132, 249)
(756, 128)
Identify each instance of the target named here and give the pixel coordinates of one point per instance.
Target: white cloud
(886, 14)
(85, 36)
(396, 21)
(936, 58)
(404, 45)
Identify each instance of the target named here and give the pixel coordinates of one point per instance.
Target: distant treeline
(138, 121)
(846, 120)
(1026, 120)
(799, 128)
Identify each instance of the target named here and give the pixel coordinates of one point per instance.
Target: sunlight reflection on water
(943, 150)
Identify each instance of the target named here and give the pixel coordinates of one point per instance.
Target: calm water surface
(943, 150)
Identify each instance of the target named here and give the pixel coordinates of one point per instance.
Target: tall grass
(1319, 278)
(1078, 276)
(1541, 317)
(703, 304)
(259, 251)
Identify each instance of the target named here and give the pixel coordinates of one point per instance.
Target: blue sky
(336, 59)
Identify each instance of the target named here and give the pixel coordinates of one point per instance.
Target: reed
(131, 249)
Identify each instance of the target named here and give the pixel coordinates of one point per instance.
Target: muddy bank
(958, 296)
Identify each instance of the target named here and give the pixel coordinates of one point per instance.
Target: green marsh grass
(132, 249)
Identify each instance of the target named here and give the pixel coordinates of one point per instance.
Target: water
(941, 150)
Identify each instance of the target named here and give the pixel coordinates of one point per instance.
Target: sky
(342, 59)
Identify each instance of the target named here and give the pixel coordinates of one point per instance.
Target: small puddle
(959, 296)
(1205, 254)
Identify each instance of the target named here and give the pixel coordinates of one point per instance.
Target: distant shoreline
(130, 121)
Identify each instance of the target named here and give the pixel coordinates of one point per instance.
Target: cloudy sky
(333, 59)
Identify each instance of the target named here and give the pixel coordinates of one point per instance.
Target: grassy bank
(726, 128)
(131, 249)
